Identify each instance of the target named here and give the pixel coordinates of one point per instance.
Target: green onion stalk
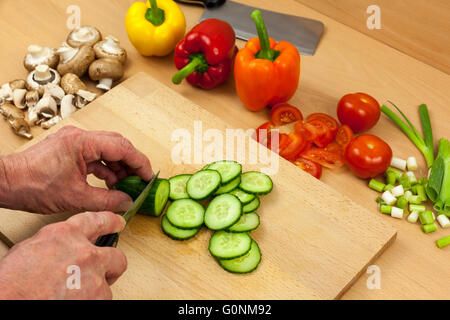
(438, 188)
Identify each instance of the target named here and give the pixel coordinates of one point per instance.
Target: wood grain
(418, 28)
(346, 61)
(315, 242)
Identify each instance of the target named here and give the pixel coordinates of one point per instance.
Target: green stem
(198, 64)
(426, 126)
(266, 51)
(154, 14)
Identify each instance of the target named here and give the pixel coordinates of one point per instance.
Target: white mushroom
(105, 71)
(16, 119)
(83, 97)
(75, 60)
(9, 111)
(55, 91)
(84, 35)
(110, 48)
(40, 55)
(50, 123)
(41, 76)
(19, 98)
(71, 83)
(17, 84)
(31, 98)
(6, 94)
(32, 116)
(67, 106)
(47, 107)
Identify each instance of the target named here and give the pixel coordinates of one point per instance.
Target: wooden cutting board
(315, 241)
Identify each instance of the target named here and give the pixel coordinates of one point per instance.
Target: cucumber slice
(247, 223)
(186, 214)
(228, 170)
(178, 187)
(203, 184)
(243, 196)
(256, 183)
(245, 264)
(176, 233)
(252, 206)
(230, 186)
(227, 245)
(222, 212)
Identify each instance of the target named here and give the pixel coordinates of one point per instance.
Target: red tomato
(335, 147)
(359, 111)
(296, 145)
(328, 120)
(311, 167)
(328, 159)
(344, 136)
(283, 142)
(263, 132)
(368, 156)
(307, 130)
(283, 113)
(325, 135)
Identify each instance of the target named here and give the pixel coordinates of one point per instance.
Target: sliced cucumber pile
(230, 198)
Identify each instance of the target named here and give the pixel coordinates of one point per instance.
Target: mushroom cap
(110, 48)
(17, 84)
(71, 83)
(33, 84)
(8, 110)
(40, 55)
(79, 63)
(106, 68)
(84, 36)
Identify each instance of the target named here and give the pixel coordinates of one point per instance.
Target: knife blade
(302, 32)
(111, 240)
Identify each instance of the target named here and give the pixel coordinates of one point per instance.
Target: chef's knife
(304, 33)
(110, 240)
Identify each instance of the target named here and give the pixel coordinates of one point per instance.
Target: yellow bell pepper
(154, 28)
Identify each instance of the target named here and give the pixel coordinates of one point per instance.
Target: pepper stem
(154, 14)
(266, 52)
(197, 63)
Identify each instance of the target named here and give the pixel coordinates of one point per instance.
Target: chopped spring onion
(413, 217)
(415, 200)
(376, 185)
(443, 221)
(388, 187)
(420, 190)
(412, 178)
(392, 175)
(416, 207)
(398, 191)
(423, 181)
(427, 228)
(408, 194)
(388, 198)
(404, 181)
(414, 189)
(379, 201)
(426, 217)
(411, 163)
(386, 209)
(424, 145)
(402, 202)
(438, 188)
(397, 213)
(398, 163)
(445, 213)
(443, 242)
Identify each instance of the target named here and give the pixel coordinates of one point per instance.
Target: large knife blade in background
(110, 240)
(302, 32)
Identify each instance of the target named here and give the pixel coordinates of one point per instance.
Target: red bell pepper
(205, 55)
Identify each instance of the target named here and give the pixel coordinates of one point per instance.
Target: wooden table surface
(346, 61)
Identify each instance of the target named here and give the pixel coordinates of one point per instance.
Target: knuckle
(58, 229)
(87, 255)
(126, 145)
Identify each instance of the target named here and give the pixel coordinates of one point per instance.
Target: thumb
(99, 199)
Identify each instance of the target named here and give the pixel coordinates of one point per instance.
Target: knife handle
(108, 240)
(205, 3)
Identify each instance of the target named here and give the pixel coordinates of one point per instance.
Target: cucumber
(251, 206)
(247, 223)
(157, 198)
(186, 214)
(230, 186)
(203, 184)
(227, 245)
(245, 264)
(228, 170)
(243, 196)
(178, 187)
(222, 212)
(176, 233)
(256, 183)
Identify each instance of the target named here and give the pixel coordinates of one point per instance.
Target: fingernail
(124, 206)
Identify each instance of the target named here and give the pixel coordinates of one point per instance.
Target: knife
(302, 32)
(111, 240)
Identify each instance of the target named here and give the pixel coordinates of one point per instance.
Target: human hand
(50, 177)
(37, 268)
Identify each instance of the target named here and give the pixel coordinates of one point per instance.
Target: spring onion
(416, 207)
(376, 185)
(398, 163)
(426, 217)
(388, 198)
(420, 191)
(443, 221)
(397, 213)
(443, 242)
(423, 181)
(388, 187)
(413, 217)
(411, 164)
(398, 191)
(424, 145)
(438, 188)
(427, 228)
(386, 209)
(408, 194)
(444, 213)
(392, 175)
(404, 181)
(402, 202)
(412, 177)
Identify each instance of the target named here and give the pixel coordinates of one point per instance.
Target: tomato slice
(263, 132)
(283, 113)
(335, 147)
(328, 159)
(344, 136)
(309, 166)
(330, 122)
(325, 135)
(296, 145)
(307, 130)
(283, 142)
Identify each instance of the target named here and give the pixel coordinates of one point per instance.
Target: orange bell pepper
(266, 73)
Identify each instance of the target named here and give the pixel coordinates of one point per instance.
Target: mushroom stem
(67, 106)
(19, 98)
(66, 52)
(105, 84)
(42, 73)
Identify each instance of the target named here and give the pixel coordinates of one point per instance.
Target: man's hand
(50, 177)
(37, 268)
